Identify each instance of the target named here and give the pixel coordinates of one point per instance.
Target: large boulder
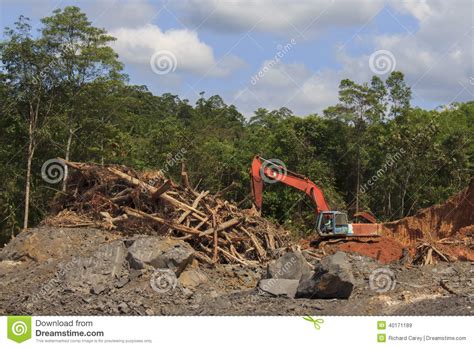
(279, 287)
(160, 253)
(96, 272)
(292, 265)
(332, 278)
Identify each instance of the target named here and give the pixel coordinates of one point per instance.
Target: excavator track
(338, 239)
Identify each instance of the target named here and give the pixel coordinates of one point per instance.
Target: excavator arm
(262, 169)
(269, 171)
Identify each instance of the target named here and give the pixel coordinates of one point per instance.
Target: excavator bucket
(366, 216)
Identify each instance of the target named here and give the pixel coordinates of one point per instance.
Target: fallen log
(160, 190)
(175, 226)
(221, 227)
(194, 205)
(258, 247)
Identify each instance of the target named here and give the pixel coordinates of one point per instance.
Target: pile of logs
(119, 198)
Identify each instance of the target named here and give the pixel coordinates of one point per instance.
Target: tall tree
(82, 55)
(25, 64)
(360, 106)
(399, 93)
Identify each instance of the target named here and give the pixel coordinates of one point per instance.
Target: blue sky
(283, 53)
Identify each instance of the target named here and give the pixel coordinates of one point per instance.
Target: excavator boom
(274, 172)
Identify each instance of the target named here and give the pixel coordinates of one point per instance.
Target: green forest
(64, 94)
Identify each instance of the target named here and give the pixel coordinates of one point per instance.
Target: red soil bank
(436, 222)
(383, 249)
(452, 220)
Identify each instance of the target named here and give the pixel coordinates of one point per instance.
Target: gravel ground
(32, 283)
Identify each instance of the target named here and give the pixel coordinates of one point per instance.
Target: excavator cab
(333, 223)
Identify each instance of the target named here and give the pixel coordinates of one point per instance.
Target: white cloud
(137, 46)
(105, 13)
(436, 60)
(119, 13)
(291, 85)
(282, 16)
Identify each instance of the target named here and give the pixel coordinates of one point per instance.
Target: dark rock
(97, 289)
(160, 253)
(292, 265)
(333, 278)
(279, 287)
(135, 273)
(123, 308)
(120, 283)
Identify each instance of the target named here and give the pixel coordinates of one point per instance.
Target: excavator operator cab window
(327, 223)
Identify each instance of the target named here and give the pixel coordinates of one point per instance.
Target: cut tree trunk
(67, 157)
(28, 178)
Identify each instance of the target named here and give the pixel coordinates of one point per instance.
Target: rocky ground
(60, 271)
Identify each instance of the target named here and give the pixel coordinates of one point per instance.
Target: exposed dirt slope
(449, 226)
(440, 221)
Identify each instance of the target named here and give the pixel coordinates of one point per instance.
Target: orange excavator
(329, 223)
